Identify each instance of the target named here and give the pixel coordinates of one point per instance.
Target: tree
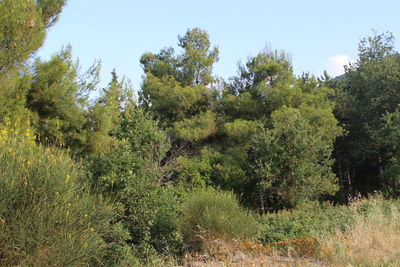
(269, 68)
(388, 136)
(248, 108)
(369, 90)
(105, 114)
(23, 25)
(58, 98)
(264, 84)
(292, 161)
(197, 60)
(176, 89)
(192, 67)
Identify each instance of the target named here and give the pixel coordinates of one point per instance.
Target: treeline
(143, 174)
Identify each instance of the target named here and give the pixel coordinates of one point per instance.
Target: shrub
(132, 175)
(47, 216)
(151, 215)
(306, 220)
(211, 214)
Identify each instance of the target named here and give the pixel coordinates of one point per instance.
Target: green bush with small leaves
(48, 216)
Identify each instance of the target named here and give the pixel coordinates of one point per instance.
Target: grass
(372, 240)
(364, 233)
(211, 215)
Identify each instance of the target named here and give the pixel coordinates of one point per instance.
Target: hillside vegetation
(265, 168)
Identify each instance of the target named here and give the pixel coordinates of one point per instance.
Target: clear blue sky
(318, 34)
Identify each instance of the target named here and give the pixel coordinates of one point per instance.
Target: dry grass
(373, 240)
(221, 253)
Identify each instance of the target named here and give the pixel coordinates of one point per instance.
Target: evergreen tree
(23, 25)
(176, 89)
(105, 115)
(369, 90)
(57, 99)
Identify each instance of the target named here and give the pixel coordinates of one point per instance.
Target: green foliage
(50, 10)
(21, 32)
(308, 219)
(152, 215)
(239, 130)
(137, 154)
(131, 174)
(197, 128)
(242, 106)
(269, 68)
(216, 215)
(13, 91)
(369, 90)
(193, 172)
(23, 26)
(169, 101)
(176, 87)
(192, 67)
(388, 136)
(253, 108)
(57, 100)
(197, 60)
(105, 114)
(47, 215)
(292, 160)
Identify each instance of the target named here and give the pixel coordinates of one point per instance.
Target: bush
(364, 232)
(307, 219)
(132, 175)
(151, 215)
(47, 215)
(212, 214)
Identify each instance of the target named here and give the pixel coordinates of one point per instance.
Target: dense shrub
(132, 175)
(216, 215)
(315, 219)
(47, 215)
(307, 219)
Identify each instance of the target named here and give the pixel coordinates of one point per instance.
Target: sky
(319, 35)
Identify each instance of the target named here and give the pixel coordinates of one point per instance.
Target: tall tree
(198, 58)
(58, 98)
(369, 90)
(23, 25)
(176, 89)
(105, 114)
